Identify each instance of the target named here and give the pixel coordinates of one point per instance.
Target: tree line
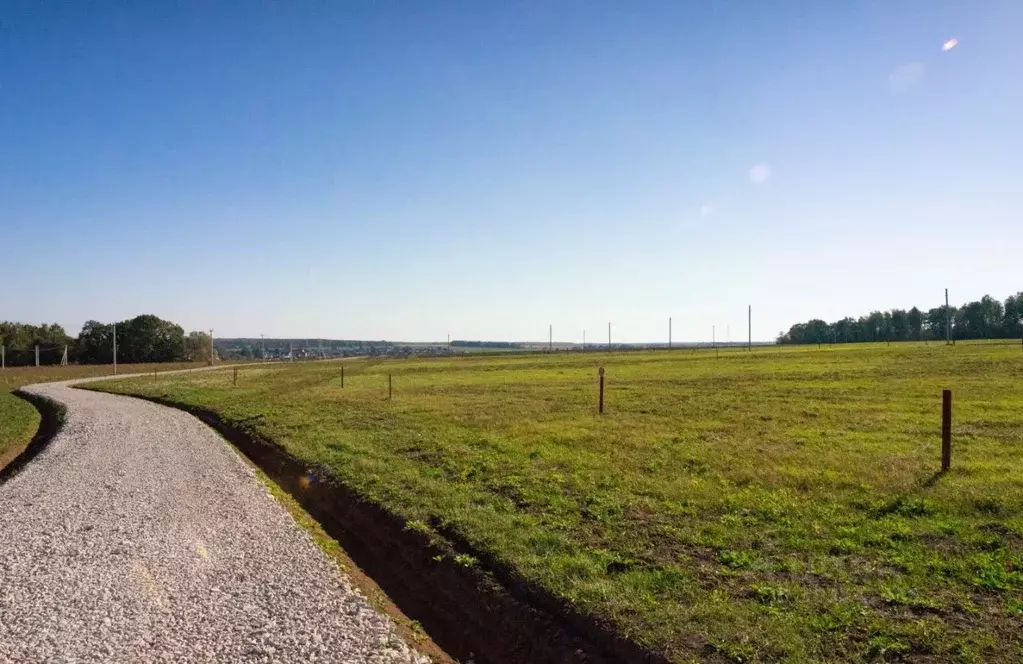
(144, 338)
(986, 318)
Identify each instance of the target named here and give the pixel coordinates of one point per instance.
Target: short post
(342, 376)
(388, 387)
(236, 376)
(946, 430)
(600, 402)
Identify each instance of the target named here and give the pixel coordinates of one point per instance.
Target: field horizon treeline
(143, 339)
(986, 318)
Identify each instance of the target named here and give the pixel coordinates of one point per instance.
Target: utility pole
(115, 349)
(669, 332)
(584, 339)
(948, 321)
(262, 346)
(713, 336)
(609, 336)
(211, 347)
(550, 338)
(3, 357)
(63, 359)
(37, 355)
(291, 351)
(749, 319)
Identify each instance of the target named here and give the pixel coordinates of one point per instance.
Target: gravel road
(139, 535)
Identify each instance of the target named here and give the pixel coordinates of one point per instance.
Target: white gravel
(139, 535)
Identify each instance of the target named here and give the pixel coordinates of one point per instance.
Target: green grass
(780, 505)
(19, 420)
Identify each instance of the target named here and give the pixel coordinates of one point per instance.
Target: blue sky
(402, 170)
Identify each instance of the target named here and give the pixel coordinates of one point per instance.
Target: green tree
(915, 321)
(899, 322)
(197, 347)
(1012, 316)
(95, 343)
(144, 338)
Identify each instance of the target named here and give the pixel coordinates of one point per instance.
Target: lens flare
(950, 44)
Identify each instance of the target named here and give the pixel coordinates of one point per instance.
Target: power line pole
(291, 351)
(211, 347)
(584, 339)
(713, 336)
(63, 359)
(609, 335)
(115, 348)
(37, 355)
(948, 321)
(550, 338)
(262, 346)
(749, 321)
(3, 357)
(669, 332)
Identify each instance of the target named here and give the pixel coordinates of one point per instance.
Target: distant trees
(197, 347)
(20, 340)
(986, 318)
(145, 338)
(95, 343)
(461, 343)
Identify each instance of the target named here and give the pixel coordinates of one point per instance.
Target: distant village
(322, 349)
(325, 349)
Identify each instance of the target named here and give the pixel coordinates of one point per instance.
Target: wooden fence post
(388, 387)
(342, 376)
(236, 376)
(946, 430)
(600, 403)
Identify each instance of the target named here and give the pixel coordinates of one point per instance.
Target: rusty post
(946, 430)
(600, 403)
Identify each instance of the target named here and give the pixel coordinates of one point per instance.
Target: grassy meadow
(779, 505)
(19, 420)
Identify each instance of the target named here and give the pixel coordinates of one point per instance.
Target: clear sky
(402, 170)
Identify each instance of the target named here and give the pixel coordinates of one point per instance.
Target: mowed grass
(19, 420)
(779, 505)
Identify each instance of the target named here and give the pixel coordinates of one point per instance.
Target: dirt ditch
(484, 615)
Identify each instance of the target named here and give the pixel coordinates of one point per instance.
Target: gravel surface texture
(139, 535)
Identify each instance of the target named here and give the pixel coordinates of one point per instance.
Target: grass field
(780, 505)
(19, 420)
